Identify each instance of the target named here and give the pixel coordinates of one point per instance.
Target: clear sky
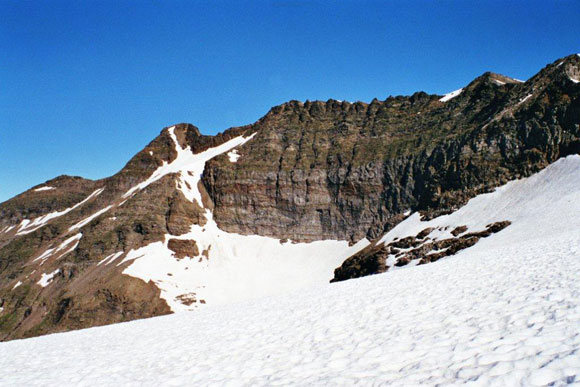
(84, 85)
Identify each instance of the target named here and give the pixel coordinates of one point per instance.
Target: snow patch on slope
(527, 203)
(49, 252)
(46, 279)
(233, 156)
(525, 99)
(76, 239)
(110, 258)
(451, 95)
(28, 226)
(84, 222)
(188, 165)
(8, 228)
(42, 257)
(45, 188)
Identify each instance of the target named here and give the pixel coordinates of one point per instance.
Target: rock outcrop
(419, 248)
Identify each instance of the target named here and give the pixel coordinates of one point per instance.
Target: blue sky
(84, 85)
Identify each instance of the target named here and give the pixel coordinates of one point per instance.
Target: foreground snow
(504, 312)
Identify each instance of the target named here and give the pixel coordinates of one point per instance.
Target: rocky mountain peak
(560, 73)
(573, 59)
(572, 67)
(488, 85)
(495, 79)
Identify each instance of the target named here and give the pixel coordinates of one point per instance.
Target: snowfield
(503, 312)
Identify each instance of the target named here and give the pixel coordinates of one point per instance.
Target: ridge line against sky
(86, 85)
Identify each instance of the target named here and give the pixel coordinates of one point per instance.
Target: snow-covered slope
(504, 312)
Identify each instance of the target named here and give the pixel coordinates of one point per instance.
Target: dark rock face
(338, 170)
(373, 258)
(314, 170)
(182, 214)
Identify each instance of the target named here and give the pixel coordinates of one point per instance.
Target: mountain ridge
(290, 102)
(305, 172)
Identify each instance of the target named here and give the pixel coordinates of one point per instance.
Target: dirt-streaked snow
(504, 312)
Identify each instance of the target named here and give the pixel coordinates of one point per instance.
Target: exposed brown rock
(498, 226)
(205, 252)
(182, 214)
(92, 300)
(183, 247)
(405, 243)
(369, 261)
(458, 230)
(424, 233)
(187, 299)
(94, 295)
